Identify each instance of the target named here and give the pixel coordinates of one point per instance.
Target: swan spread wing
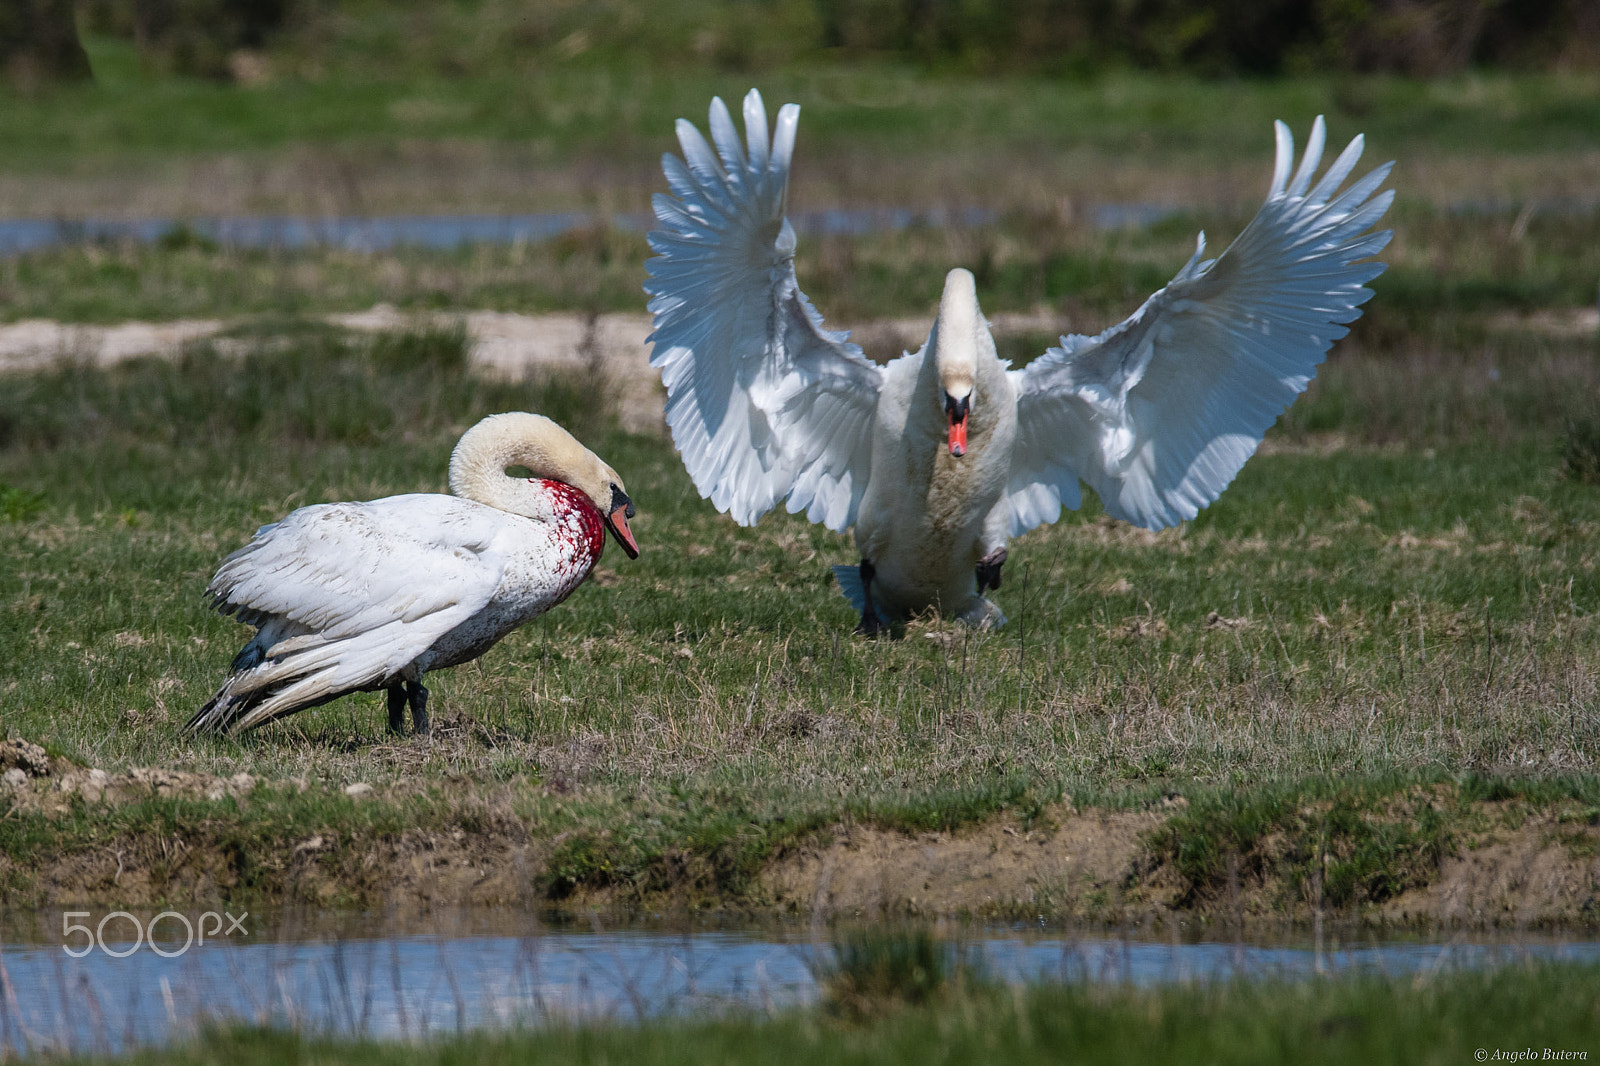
(763, 400)
(414, 566)
(1158, 413)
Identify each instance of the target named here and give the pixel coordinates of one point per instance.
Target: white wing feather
(764, 401)
(411, 564)
(1159, 413)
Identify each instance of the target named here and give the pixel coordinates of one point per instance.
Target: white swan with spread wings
(943, 455)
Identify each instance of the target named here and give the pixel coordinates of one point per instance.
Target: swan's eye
(620, 499)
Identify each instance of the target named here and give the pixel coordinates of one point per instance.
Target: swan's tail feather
(243, 702)
(306, 692)
(264, 685)
(225, 708)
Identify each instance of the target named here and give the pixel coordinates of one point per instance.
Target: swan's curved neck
(479, 463)
(484, 479)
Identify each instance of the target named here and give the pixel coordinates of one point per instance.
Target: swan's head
(955, 349)
(479, 463)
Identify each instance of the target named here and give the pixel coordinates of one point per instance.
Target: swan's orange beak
(617, 522)
(958, 435)
(957, 411)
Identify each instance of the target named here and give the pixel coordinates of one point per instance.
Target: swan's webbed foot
(870, 625)
(989, 570)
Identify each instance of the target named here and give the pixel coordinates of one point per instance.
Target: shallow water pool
(109, 987)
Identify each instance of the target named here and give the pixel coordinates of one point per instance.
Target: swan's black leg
(989, 570)
(418, 697)
(871, 624)
(397, 708)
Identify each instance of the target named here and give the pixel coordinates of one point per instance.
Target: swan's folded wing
(344, 569)
(1158, 414)
(764, 402)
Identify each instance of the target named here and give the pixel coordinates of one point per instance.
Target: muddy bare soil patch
(1068, 864)
(170, 856)
(1547, 870)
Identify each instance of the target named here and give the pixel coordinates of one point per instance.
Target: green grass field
(609, 105)
(1400, 590)
(1398, 594)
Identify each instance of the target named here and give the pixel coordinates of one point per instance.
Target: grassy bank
(1445, 1019)
(1364, 848)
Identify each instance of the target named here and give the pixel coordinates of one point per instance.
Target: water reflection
(443, 232)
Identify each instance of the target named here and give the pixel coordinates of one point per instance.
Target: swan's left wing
(1158, 414)
(764, 402)
(414, 566)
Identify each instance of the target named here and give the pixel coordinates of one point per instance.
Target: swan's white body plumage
(926, 516)
(351, 597)
(1156, 414)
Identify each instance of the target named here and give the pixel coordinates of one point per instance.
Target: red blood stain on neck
(586, 523)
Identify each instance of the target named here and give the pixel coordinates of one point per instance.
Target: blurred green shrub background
(224, 39)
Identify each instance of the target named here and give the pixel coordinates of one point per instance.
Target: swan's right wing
(763, 400)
